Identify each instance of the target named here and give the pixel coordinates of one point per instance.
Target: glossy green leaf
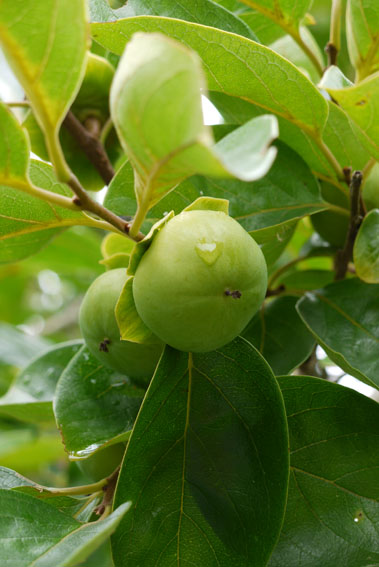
(366, 248)
(203, 12)
(254, 72)
(280, 335)
(17, 348)
(344, 319)
(361, 103)
(286, 13)
(34, 534)
(362, 25)
(287, 47)
(49, 64)
(167, 144)
(333, 503)
(288, 191)
(304, 280)
(94, 405)
(211, 489)
(27, 222)
(12, 480)
(31, 394)
(273, 241)
(345, 139)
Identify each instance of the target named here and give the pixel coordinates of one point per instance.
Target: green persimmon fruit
(332, 226)
(99, 328)
(200, 281)
(102, 463)
(371, 189)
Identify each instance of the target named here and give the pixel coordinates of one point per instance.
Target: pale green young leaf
(45, 43)
(35, 534)
(362, 27)
(361, 104)
(234, 65)
(30, 396)
(28, 222)
(366, 248)
(170, 142)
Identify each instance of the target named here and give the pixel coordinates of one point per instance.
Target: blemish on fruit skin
(103, 346)
(209, 252)
(236, 294)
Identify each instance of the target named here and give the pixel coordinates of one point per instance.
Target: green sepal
(131, 326)
(209, 204)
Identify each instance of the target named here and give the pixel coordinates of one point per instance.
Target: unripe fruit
(102, 463)
(100, 331)
(200, 282)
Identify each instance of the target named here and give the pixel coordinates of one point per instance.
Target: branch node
(77, 201)
(332, 53)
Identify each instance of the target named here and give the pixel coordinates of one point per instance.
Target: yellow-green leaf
(45, 43)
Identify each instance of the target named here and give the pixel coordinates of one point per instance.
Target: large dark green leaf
(94, 405)
(35, 534)
(332, 515)
(280, 335)
(31, 394)
(288, 191)
(206, 464)
(255, 72)
(344, 319)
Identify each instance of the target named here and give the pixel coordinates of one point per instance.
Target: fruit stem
(356, 216)
(333, 46)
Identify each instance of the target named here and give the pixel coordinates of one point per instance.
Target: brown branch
(356, 215)
(277, 291)
(108, 490)
(90, 144)
(332, 53)
(84, 202)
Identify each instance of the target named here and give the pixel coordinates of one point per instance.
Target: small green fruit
(102, 463)
(99, 327)
(200, 282)
(331, 225)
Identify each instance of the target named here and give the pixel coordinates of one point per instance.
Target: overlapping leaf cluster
(207, 478)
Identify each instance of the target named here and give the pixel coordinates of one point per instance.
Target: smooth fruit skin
(200, 282)
(100, 331)
(102, 463)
